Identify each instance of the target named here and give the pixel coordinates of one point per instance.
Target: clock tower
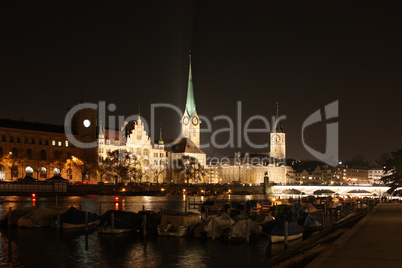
(190, 123)
(277, 139)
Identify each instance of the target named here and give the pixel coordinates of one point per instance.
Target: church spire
(160, 142)
(278, 126)
(190, 103)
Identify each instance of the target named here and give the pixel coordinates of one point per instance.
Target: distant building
(42, 150)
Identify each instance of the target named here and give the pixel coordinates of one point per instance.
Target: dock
(375, 241)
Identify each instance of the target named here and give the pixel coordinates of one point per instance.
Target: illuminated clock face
(86, 123)
(276, 138)
(186, 120)
(195, 120)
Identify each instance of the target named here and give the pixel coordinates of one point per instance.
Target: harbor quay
(375, 241)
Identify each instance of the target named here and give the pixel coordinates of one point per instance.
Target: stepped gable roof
(182, 145)
(15, 124)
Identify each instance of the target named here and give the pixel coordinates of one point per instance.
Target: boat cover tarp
(308, 221)
(296, 207)
(313, 209)
(220, 224)
(239, 229)
(75, 216)
(43, 217)
(262, 219)
(279, 228)
(15, 215)
(122, 219)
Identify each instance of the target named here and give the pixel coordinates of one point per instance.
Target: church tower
(278, 142)
(190, 123)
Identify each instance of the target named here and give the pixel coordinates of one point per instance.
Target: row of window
(33, 141)
(29, 154)
(29, 171)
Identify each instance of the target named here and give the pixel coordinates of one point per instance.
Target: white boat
(214, 226)
(178, 224)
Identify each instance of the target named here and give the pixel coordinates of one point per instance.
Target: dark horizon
(302, 54)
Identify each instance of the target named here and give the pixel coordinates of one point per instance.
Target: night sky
(303, 54)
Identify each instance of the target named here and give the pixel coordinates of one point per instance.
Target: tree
(104, 166)
(157, 171)
(10, 162)
(191, 168)
(393, 171)
(119, 163)
(83, 166)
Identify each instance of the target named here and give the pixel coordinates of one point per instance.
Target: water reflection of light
(202, 198)
(184, 197)
(116, 206)
(34, 202)
(229, 196)
(123, 204)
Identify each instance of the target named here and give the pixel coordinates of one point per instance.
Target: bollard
(143, 207)
(144, 225)
(247, 231)
(286, 235)
(9, 217)
(86, 221)
(325, 209)
(112, 221)
(308, 209)
(213, 228)
(58, 218)
(206, 212)
(276, 210)
(185, 205)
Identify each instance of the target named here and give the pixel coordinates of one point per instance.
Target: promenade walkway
(376, 241)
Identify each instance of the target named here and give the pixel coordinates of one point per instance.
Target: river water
(46, 247)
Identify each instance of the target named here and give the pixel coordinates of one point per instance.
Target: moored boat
(277, 231)
(178, 224)
(123, 222)
(40, 217)
(13, 217)
(74, 218)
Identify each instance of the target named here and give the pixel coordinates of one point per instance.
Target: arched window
(14, 152)
(56, 155)
(69, 174)
(56, 171)
(29, 171)
(43, 173)
(2, 174)
(29, 154)
(1, 151)
(43, 155)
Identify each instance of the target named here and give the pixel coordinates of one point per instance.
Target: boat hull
(280, 239)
